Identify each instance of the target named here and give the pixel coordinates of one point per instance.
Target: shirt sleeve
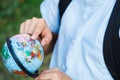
(50, 12)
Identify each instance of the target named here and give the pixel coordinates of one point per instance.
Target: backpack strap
(111, 44)
(63, 4)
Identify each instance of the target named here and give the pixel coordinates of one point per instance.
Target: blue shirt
(79, 49)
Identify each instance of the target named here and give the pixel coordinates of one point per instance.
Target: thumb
(44, 41)
(46, 37)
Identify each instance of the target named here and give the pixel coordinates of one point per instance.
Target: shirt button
(63, 67)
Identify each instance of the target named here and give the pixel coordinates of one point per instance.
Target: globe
(22, 56)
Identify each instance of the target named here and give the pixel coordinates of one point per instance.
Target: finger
(27, 26)
(38, 78)
(50, 70)
(39, 28)
(46, 76)
(46, 37)
(44, 41)
(41, 79)
(32, 25)
(22, 28)
(51, 74)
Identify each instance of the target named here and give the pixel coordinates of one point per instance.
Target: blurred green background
(12, 14)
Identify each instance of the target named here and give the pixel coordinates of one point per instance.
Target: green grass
(12, 14)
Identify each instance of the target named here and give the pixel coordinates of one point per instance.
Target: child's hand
(38, 29)
(52, 74)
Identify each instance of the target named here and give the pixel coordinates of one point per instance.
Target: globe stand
(17, 60)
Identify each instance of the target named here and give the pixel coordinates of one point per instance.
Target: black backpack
(111, 44)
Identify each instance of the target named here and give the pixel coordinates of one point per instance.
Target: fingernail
(43, 43)
(33, 37)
